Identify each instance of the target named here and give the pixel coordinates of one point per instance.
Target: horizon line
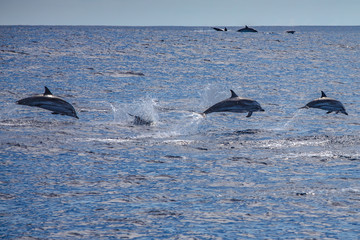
(104, 25)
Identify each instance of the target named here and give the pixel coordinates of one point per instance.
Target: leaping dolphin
(236, 104)
(326, 103)
(50, 102)
(247, 29)
(220, 29)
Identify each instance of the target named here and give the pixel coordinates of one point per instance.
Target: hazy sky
(180, 12)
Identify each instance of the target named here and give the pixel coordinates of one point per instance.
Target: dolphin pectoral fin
(249, 114)
(331, 112)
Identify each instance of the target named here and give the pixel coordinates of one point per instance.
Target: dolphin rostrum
(326, 103)
(236, 104)
(50, 102)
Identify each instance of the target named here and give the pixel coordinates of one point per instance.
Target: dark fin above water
(47, 91)
(331, 112)
(323, 94)
(140, 121)
(233, 94)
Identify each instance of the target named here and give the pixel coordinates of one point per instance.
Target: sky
(180, 12)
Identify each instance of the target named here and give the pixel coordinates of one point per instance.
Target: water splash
(290, 124)
(186, 124)
(147, 110)
(8, 110)
(119, 112)
(123, 113)
(189, 124)
(211, 94)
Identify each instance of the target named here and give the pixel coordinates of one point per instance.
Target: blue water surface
(286, 173)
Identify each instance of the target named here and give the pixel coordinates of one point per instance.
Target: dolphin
(50, 102)
(140, 121)
(326, 103)
(220, 29)
(247, 29)
(235, 104)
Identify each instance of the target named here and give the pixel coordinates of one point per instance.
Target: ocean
(286, 173)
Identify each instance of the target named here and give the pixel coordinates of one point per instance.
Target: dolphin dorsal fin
(47, 91)
(323, 94)
(233, 94)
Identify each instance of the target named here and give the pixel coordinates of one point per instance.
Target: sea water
(286, 173)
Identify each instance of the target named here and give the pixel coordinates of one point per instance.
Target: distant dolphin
(50, 102)
(236, 104)
(326, 103)
(140, 121)
(290, 31)
(220, 29)
(247, 29)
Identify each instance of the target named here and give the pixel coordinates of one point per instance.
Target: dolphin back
(235, 104)
(51, 103)
(326, 103)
